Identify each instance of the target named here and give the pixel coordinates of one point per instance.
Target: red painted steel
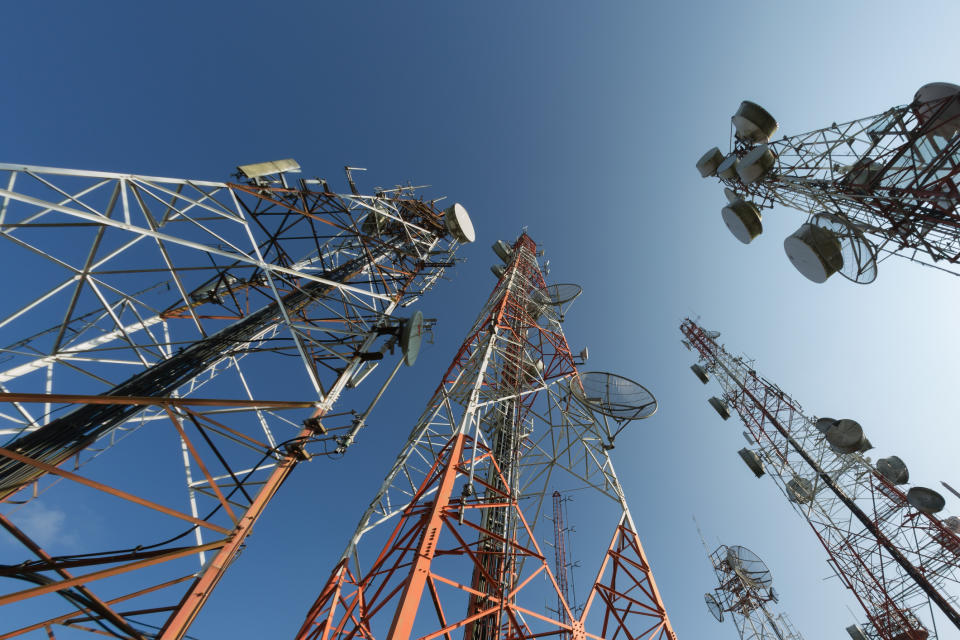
(461, 559)
(890, 555)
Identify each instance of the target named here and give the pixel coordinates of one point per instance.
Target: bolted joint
(314, 425)
(296, 451)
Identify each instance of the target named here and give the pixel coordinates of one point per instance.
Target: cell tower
(455, 542)
(885, 544)
(744, 591)
(187, 307)
(881, 185)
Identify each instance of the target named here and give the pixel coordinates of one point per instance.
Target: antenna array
(878, 185)
(886, 545)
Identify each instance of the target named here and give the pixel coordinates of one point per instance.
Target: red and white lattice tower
(880, 185)
(885, 544)
(181, 305)
(744, 591)
(455, 542)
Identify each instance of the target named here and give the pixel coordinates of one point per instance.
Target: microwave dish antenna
(558, 296)
(713, 606)
(749, 567)
(614, 396)
(892, 175)
(829, 244)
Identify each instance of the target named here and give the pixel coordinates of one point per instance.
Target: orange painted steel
(479, 546)
(394, 273)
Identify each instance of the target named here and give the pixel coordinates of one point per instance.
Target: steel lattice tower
(885, 545)
(453, 544)
(880, 185)
(744, 591)
(187, 306)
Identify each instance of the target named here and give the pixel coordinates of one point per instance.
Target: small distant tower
(885, 544)
(883, 184)
(744, 591)
(454, 544)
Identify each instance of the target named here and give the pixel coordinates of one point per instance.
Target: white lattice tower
(165, 290)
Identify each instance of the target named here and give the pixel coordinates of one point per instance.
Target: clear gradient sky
(581, 121)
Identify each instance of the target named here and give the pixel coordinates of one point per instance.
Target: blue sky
(581, 121)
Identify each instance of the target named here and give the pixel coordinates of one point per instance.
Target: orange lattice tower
(455, 541)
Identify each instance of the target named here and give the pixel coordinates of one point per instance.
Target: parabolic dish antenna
(615, 396)
(859, 253)
(411, 335)
(713, 606)
(829, 244)
(560, 296)
(748, 565)
(563, 293)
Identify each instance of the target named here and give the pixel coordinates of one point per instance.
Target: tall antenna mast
(180, 304)
(883, 184)
(452, 544)
(560, 560)
(885, 544)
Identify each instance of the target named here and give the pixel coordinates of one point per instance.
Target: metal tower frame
(561, 564)
(895, 558)
(892, 177)
(746, 600)
(188, 306)
(453, 543)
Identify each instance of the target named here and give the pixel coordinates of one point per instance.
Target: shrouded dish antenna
(925, 500)
(458, 223)
(829, 244)
(701, 373)
(503, 250)
(743, 219)
(845, 436)
(752, 460)
(893, 469)
(713, 606)
(952, 523)
(720, 407)
(748, 565)
(757, 163)
(938, 108)
(856, 632)
(709, 162)
(799, 490)
(615, 396)
(411, 335)
(753, 123)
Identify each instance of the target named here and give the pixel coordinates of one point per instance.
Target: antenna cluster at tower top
(876, 186)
